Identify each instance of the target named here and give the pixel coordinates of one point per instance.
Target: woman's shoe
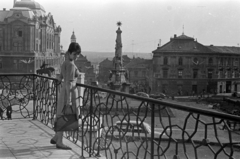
(64, 147)
(52, 141)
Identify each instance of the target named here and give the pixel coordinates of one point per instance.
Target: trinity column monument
(118, 78)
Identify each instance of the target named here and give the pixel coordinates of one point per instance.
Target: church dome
(31, 4)
(73, 37)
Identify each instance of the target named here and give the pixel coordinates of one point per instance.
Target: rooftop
(185, 44)
(31, 4)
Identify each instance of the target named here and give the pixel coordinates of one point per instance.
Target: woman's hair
(74, 47)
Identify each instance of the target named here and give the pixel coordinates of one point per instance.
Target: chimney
(4, 9)
(159, 44)
(175, 35)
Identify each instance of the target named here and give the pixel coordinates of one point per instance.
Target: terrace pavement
(30, 139)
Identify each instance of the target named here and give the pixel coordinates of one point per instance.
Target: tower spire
(183, 30)
(73, 37)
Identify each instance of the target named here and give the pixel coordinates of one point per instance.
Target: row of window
(196, 61)
(195, 75)
(18, 64)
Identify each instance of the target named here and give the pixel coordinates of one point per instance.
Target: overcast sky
(144, 22)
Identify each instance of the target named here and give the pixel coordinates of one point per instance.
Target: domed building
(31, 4)
(29, 37)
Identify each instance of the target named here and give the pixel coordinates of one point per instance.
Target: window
(1, 32)
(195, 73)
(236, 74)
(20, 65)
(1, 66)
(15, 64)
(210, 61)
(210, 73)
(17, 46)
(180, 73)
(195, 60)
(221, 74)
(180, 61)
(229, 74)
(233, 74)
(235, 63)
(221, 61)
(143, 73)
(229, 62)
(165, 73)
(19, 33)
(165, 61)
(135, 73)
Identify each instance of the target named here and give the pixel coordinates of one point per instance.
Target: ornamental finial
(119, 23)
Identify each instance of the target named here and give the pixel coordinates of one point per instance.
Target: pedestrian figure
(9, 113)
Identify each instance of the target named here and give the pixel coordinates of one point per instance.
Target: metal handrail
(168, 104)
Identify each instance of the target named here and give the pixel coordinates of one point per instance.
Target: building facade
(184, 67)
(29, 37)
(140, 73)
(105, 68)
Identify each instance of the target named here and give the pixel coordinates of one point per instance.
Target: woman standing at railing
(68, 92)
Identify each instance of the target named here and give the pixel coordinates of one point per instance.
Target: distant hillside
(97, 57)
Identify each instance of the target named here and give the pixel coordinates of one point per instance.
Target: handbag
(68, 121)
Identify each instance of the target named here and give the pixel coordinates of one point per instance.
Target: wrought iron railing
(119, 125)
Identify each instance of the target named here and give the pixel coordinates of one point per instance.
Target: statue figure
(43, 65)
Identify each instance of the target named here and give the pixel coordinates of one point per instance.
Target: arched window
(180, 61)
(195, 60)
(210, 61)
(165, 61)
(18, 33)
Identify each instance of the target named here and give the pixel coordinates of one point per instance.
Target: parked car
(101, 95)
(132, 130)
(142, 94)
(158, 96)
(236, 94)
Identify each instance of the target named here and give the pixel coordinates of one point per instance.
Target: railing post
(57, 85)
(152, 129)
(90, 135)
(34, 97)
